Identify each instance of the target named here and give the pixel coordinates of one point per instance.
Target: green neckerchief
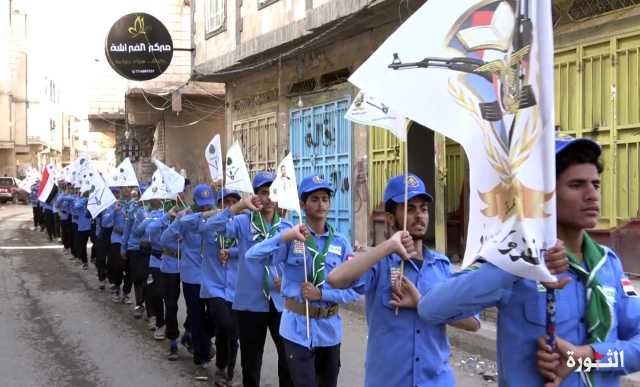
(257, 222)
(599, 311)
(319, 257)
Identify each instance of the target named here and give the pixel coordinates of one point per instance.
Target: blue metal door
(320, 139)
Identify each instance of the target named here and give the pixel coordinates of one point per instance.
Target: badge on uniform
(394, 274)
(610, 294)
(334, 249)
(627, 287)
(298, 247)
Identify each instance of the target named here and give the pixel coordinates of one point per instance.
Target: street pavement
(59, 329)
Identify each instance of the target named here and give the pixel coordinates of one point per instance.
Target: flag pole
(406, 204)
(220, 237)
(306, 301)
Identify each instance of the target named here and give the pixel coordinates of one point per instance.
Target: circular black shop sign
(139, 47)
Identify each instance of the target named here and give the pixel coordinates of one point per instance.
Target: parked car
(9, 191)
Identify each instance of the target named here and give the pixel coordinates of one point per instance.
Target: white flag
(172, 179)
(157, 189)
(481, 73)
(368, 110)
(237, 176)
(284, 189)
(77, 169)
(100, 196)
(87, 179)
(124, 175)
(213, 154)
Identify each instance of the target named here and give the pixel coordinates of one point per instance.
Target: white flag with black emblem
(213, 154)
(100, 196)
(172, 179)
(368, 110)
(237, 176)
(157, 189)
(124, 175)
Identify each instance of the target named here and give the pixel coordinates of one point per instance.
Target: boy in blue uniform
(257, 300)
(169, 281)
(62, 203)
(117, 218)
(217, 289)
(151, 230)
(315, 360)
(593, 293)
(191, 248)
(33, 199)
(80, 212)
(402, 350)
(137, 259)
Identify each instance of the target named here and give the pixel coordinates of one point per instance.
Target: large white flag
(284, 189)
(172, 179)
(124, 175)
(368, 110)
(100, 196)
(213, 154)
(237, 176)
(481, 73)
(157, 189)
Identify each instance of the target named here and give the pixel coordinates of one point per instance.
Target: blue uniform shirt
(83, 216)
(151, 229)
(60, 204)
(249, 295)
(191, 246)
(119, 223)
(403, 350)
(169, 240)
(130, 210)
(106, 220)
(522, 318)
(54, 202)
(325, 332)
(218, 280)
(45, 205)
(137, 216)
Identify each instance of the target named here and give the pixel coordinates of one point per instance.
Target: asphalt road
(58, 329)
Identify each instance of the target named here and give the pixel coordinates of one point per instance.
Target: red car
(9, 191)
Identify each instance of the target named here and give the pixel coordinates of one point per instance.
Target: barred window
(214, 15)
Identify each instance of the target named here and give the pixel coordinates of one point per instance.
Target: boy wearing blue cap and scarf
(257, 300)
(402, 350)
(596, 312)
(313, 360)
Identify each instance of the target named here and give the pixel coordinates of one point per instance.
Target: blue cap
(227, 193)
(566, 142)
(314, 183)
(395, 189)
(263, 178)
(203, 195)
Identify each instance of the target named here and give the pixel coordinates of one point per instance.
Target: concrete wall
(251, 31)
(183, 145)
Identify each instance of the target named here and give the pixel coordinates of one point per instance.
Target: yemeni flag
(47, 189)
